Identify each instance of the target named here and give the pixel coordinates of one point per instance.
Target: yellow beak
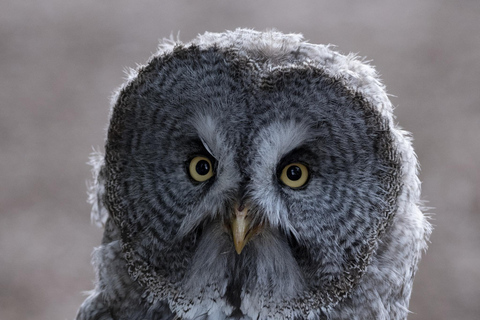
(242, 230)
(240, 225)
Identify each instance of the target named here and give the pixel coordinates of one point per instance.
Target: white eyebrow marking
(205, 145)
(209, 135)
(280, 138)
(274, 142)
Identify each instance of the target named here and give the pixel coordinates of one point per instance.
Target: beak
(240, 225)
(242, 230)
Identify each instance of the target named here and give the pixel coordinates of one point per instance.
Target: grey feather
(345, 245)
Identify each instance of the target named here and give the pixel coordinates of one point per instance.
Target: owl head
(255, 175)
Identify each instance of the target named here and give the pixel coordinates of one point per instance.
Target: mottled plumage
(252, 175)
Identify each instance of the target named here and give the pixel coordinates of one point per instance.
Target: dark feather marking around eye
(296, 155)
(198, 148)
(207, 182)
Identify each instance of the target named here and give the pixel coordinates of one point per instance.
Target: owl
(254, 175)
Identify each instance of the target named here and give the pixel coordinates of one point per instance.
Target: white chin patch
(270, 277)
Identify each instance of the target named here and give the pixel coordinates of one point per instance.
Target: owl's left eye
(294, 175)
(200, 168)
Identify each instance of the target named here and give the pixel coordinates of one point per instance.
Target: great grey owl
(254, 175)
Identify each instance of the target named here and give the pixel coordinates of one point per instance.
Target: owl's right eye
(200, 168)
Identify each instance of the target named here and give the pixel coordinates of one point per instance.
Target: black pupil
(202, 167)
(294, 173)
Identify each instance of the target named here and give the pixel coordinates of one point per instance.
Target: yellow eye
(200, 168)
(294, 175)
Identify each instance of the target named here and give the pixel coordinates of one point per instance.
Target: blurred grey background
(61, 60)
